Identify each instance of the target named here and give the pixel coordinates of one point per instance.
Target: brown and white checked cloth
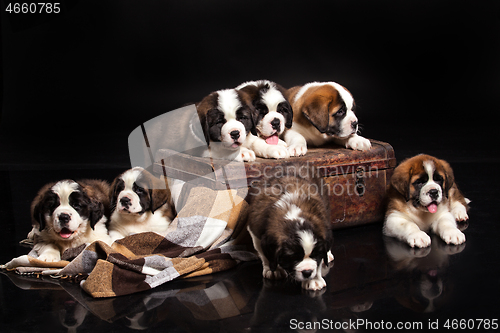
(201, 240)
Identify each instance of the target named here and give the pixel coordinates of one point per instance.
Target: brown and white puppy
(323, 112)
(423, 196)
(226, 120)
(273, 118)
(288, 220)
(68, 214)
(140, 202)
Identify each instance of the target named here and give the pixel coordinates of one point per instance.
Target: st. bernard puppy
(323, 112)
(68, 214)
(273, 118)
(140, 202)
(288, 220)
(423, 196)
(226, 119)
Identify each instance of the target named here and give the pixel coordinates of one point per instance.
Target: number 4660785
(33, 8)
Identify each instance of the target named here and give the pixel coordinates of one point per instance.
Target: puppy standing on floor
(272, 116)
(140, 202)
(323, 112)
(68, 214)
(423, 196)
(288, 220)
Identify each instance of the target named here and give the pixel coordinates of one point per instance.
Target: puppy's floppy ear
(96, 212)
(158, 197)
(159, 193)
(38, 214)
(116, 188)
(400, 180)
(449, 176)
(269, 246)
(204, 126)
(286, 110)
(316, 111)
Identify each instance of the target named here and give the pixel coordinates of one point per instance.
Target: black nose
(125, 202)
(433, 194)
(235, 135)
(275, 123)
(64, 218)
(354, 125)
(307, 273)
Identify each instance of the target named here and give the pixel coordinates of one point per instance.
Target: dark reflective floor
(375, 282)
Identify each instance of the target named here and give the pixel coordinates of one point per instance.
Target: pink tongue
(65, 233)
(272, 140)
(432, 208)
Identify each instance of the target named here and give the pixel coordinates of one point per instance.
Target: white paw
(247, 155)
(50, 257)
(282, 143)
(460, 213)
(453, 236)
(317, 283)
(277, 151)
(419, 239)
(278, 274)
(297, 150)
(357, 142)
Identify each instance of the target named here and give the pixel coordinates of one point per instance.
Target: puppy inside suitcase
(288, 220)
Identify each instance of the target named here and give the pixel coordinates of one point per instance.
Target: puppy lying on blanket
(140, 202)
(68, 214)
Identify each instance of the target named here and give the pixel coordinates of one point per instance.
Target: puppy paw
(297, 150)
(317, 283)
(460, 213)
(453, 236)
(282, 143)
(419, 239)
(358, 143)
(277, 152)
(278, 274)
(50, 257)
(247, 155)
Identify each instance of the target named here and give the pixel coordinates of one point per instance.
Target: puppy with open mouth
(273, 117)
(423, 196)
(68, 214)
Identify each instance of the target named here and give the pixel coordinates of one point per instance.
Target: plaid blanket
(203, 239)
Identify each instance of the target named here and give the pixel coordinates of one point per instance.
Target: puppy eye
(437, 177)
(420, 181)
(341, 112)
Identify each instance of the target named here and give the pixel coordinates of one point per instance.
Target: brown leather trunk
(356, 180)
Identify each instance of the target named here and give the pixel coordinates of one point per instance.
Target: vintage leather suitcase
(356, 180)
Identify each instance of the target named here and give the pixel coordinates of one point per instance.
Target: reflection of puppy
(140, 202)
(226, 120)
(422, 196)
(288, 220)
(424, 290)
(324, 111)
(273, 117)
(68, 214)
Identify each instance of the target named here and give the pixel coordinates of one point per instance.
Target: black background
(75, 84)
